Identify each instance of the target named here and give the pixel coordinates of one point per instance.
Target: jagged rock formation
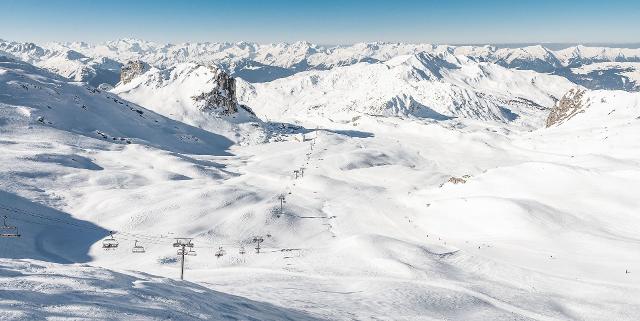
(222, 96)
(567, 107)
(132, 69)
(456, 180)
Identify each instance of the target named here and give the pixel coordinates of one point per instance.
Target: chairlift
(109, 243)
(137, 248)
(242, 250)
(7, 230)
(258, 240)
(221, 252)
(180, 242)
(191, 253)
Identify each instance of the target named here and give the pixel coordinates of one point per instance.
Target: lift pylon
(7, 230)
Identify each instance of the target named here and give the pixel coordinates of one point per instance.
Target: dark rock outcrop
(132, 69)
(568, 106)
(223, 95)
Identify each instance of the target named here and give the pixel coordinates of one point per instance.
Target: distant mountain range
(609, 67)
(425, 85)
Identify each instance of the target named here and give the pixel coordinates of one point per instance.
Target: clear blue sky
(324, 22)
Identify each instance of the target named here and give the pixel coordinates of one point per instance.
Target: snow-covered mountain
(537, 58)
(265, 62)
(34, 97)
(582, 55)
(197, 88)
(436, 86)
(608, 75)
(600, 108)
(68, 63)
(409, 182)
(200, 95)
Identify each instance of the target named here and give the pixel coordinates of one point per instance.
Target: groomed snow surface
(539, 224)
(40, 290)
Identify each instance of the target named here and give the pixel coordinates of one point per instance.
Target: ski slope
(538, 224)
(81, 292)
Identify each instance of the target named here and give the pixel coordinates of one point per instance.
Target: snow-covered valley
(420, 186)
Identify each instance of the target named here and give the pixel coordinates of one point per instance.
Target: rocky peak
(223, 95)
(568, 106)
(131, 70)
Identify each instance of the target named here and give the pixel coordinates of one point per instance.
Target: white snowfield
(40, 290)
(431, 190)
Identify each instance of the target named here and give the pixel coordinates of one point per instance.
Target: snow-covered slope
(595, 109)
(422, 85)
(196, 94)
(406, 218)
(536, 58)
(34, 97)
(36, 290)
(73, 65)
(196, 88)
(65, 62)
(609, 75)
(375, 228)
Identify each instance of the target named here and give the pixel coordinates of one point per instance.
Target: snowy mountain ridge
(436, 86)
(36, 97)
(199, 95)
(264, 62)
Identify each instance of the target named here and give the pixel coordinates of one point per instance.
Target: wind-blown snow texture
(440, 182)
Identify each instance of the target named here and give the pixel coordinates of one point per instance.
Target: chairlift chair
(7, 230)
(191, 253)
(242, 250)
(180, 242)
(137, 248)
(221, 252)
(109, 243)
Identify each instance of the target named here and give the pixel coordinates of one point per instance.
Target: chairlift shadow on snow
(43, 239)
